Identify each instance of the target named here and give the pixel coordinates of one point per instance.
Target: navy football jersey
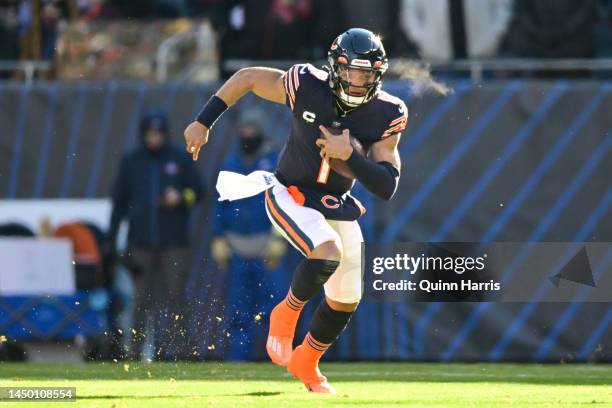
(312, 103)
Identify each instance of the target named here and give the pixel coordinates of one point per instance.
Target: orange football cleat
(283, 320)
(304, 365)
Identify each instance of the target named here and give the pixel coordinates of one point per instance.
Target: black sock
(327, 324)
(310, 276)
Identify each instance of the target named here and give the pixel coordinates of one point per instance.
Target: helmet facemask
(355, 85)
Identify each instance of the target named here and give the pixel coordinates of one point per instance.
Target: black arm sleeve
(379, 178)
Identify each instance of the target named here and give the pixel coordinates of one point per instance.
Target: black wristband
(213, 109)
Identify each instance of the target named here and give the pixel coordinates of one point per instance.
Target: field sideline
(219, 384)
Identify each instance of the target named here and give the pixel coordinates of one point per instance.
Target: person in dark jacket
(155, 190)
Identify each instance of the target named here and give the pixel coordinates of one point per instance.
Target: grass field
(358, 384)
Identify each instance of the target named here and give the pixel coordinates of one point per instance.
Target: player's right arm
(267, 83)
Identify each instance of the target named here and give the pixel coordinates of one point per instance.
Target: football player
(344, 127)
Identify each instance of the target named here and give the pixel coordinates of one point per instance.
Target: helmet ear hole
(377, 64)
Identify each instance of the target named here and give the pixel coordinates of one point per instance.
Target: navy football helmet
(357, 63)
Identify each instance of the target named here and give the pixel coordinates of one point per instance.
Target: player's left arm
(386, 151)
(380, 174)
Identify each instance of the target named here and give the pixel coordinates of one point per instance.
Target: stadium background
(520, 158)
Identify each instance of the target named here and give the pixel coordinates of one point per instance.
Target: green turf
(358, 384)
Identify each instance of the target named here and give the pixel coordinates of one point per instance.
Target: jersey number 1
(323, 172)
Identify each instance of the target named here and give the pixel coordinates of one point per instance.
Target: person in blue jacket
(155, 191)
(245, 245)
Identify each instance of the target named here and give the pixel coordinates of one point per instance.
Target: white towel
(234, 186)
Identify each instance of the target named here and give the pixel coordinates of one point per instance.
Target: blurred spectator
(89, 10)
(244, 243)
(153, 8)
(552, 29)
(39, 25)
(380, 17)
(50, 16)
(29, 28)
(603, 30)
(9, 31)
(301, 30)
(266, 29)
(155, 190)
(456, 29)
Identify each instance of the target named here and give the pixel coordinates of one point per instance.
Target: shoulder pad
(396, 112)
(320, 74)
(296, 75)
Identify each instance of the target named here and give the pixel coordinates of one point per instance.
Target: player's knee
(328, 250)
(310, 276)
